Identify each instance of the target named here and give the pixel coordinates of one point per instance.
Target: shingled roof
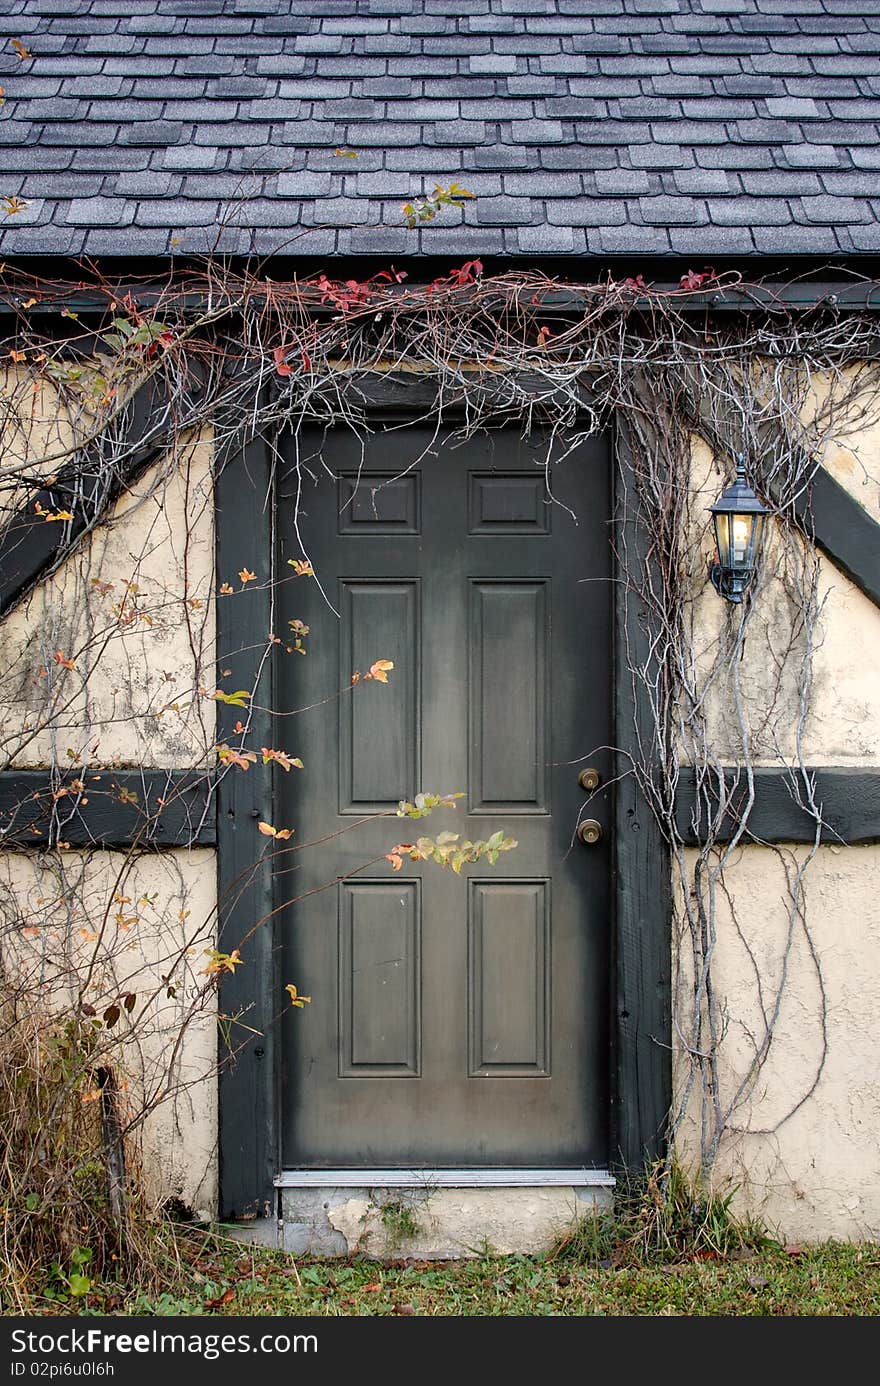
(140, 127)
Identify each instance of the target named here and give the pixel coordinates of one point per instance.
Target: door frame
(640, 1002)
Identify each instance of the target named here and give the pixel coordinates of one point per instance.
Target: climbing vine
(125, 400)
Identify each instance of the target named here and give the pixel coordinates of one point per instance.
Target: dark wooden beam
(249, 998)
(642, 1090)
(836, 290)
(114, 808)
(848, 798)
(843, 530)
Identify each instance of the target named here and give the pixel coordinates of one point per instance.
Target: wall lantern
(738, 517)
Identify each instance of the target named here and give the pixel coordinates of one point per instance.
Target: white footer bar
(579, 1177)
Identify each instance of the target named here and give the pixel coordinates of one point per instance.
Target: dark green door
(454, 1020)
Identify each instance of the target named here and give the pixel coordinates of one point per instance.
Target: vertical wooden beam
(248, 1108)
(642, 1091)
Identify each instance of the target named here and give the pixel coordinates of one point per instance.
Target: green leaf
(79, 1284)
(31, 1202)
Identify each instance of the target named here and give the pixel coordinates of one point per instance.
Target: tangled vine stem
(247, 356)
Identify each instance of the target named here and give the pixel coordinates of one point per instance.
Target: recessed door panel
(509, 638)
(379, 723)
(508, 975)
(379, 979)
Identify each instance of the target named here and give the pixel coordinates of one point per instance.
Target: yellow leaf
(295, 998)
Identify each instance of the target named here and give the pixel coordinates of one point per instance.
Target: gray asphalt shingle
(582, 126)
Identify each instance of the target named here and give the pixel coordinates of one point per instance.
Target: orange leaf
(301, 567)
(247, 576)
(18, 356)
(226, 588)
(379, 670)
(281, 833)
(61, 658)
(20, 49)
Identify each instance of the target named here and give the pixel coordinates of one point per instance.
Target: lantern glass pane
(741, 535)
(757, 535)
(722, 538)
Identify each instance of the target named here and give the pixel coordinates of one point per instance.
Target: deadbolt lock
(589, 832)
(589, 779)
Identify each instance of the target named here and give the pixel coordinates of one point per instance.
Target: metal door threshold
(579, 1177)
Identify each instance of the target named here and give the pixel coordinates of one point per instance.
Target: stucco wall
(815, 1171)
(124, 925)
(841, 721)
(133, 610)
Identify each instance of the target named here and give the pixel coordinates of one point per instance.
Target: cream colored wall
(842, 721)
(815, 1171)
(123, 925)
(115, 708)
(812, 1172)
(851, 453)
(131, 608)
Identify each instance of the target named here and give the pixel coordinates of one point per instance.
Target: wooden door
(454, 1020)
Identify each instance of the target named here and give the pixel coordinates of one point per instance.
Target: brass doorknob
(589, 779)
(589, 832)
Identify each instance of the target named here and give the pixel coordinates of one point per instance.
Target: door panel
(454, 1020)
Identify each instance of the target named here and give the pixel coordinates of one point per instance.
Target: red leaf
(281, 365)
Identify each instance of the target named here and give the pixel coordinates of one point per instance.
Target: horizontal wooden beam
(112, 808)
(848, 798)
(836, 290)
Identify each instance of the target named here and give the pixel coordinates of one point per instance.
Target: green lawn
(822, 1279)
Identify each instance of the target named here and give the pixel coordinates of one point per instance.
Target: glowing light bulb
(740, 538)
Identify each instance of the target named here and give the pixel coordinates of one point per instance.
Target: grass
(216, 1278)
(668, 1248)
